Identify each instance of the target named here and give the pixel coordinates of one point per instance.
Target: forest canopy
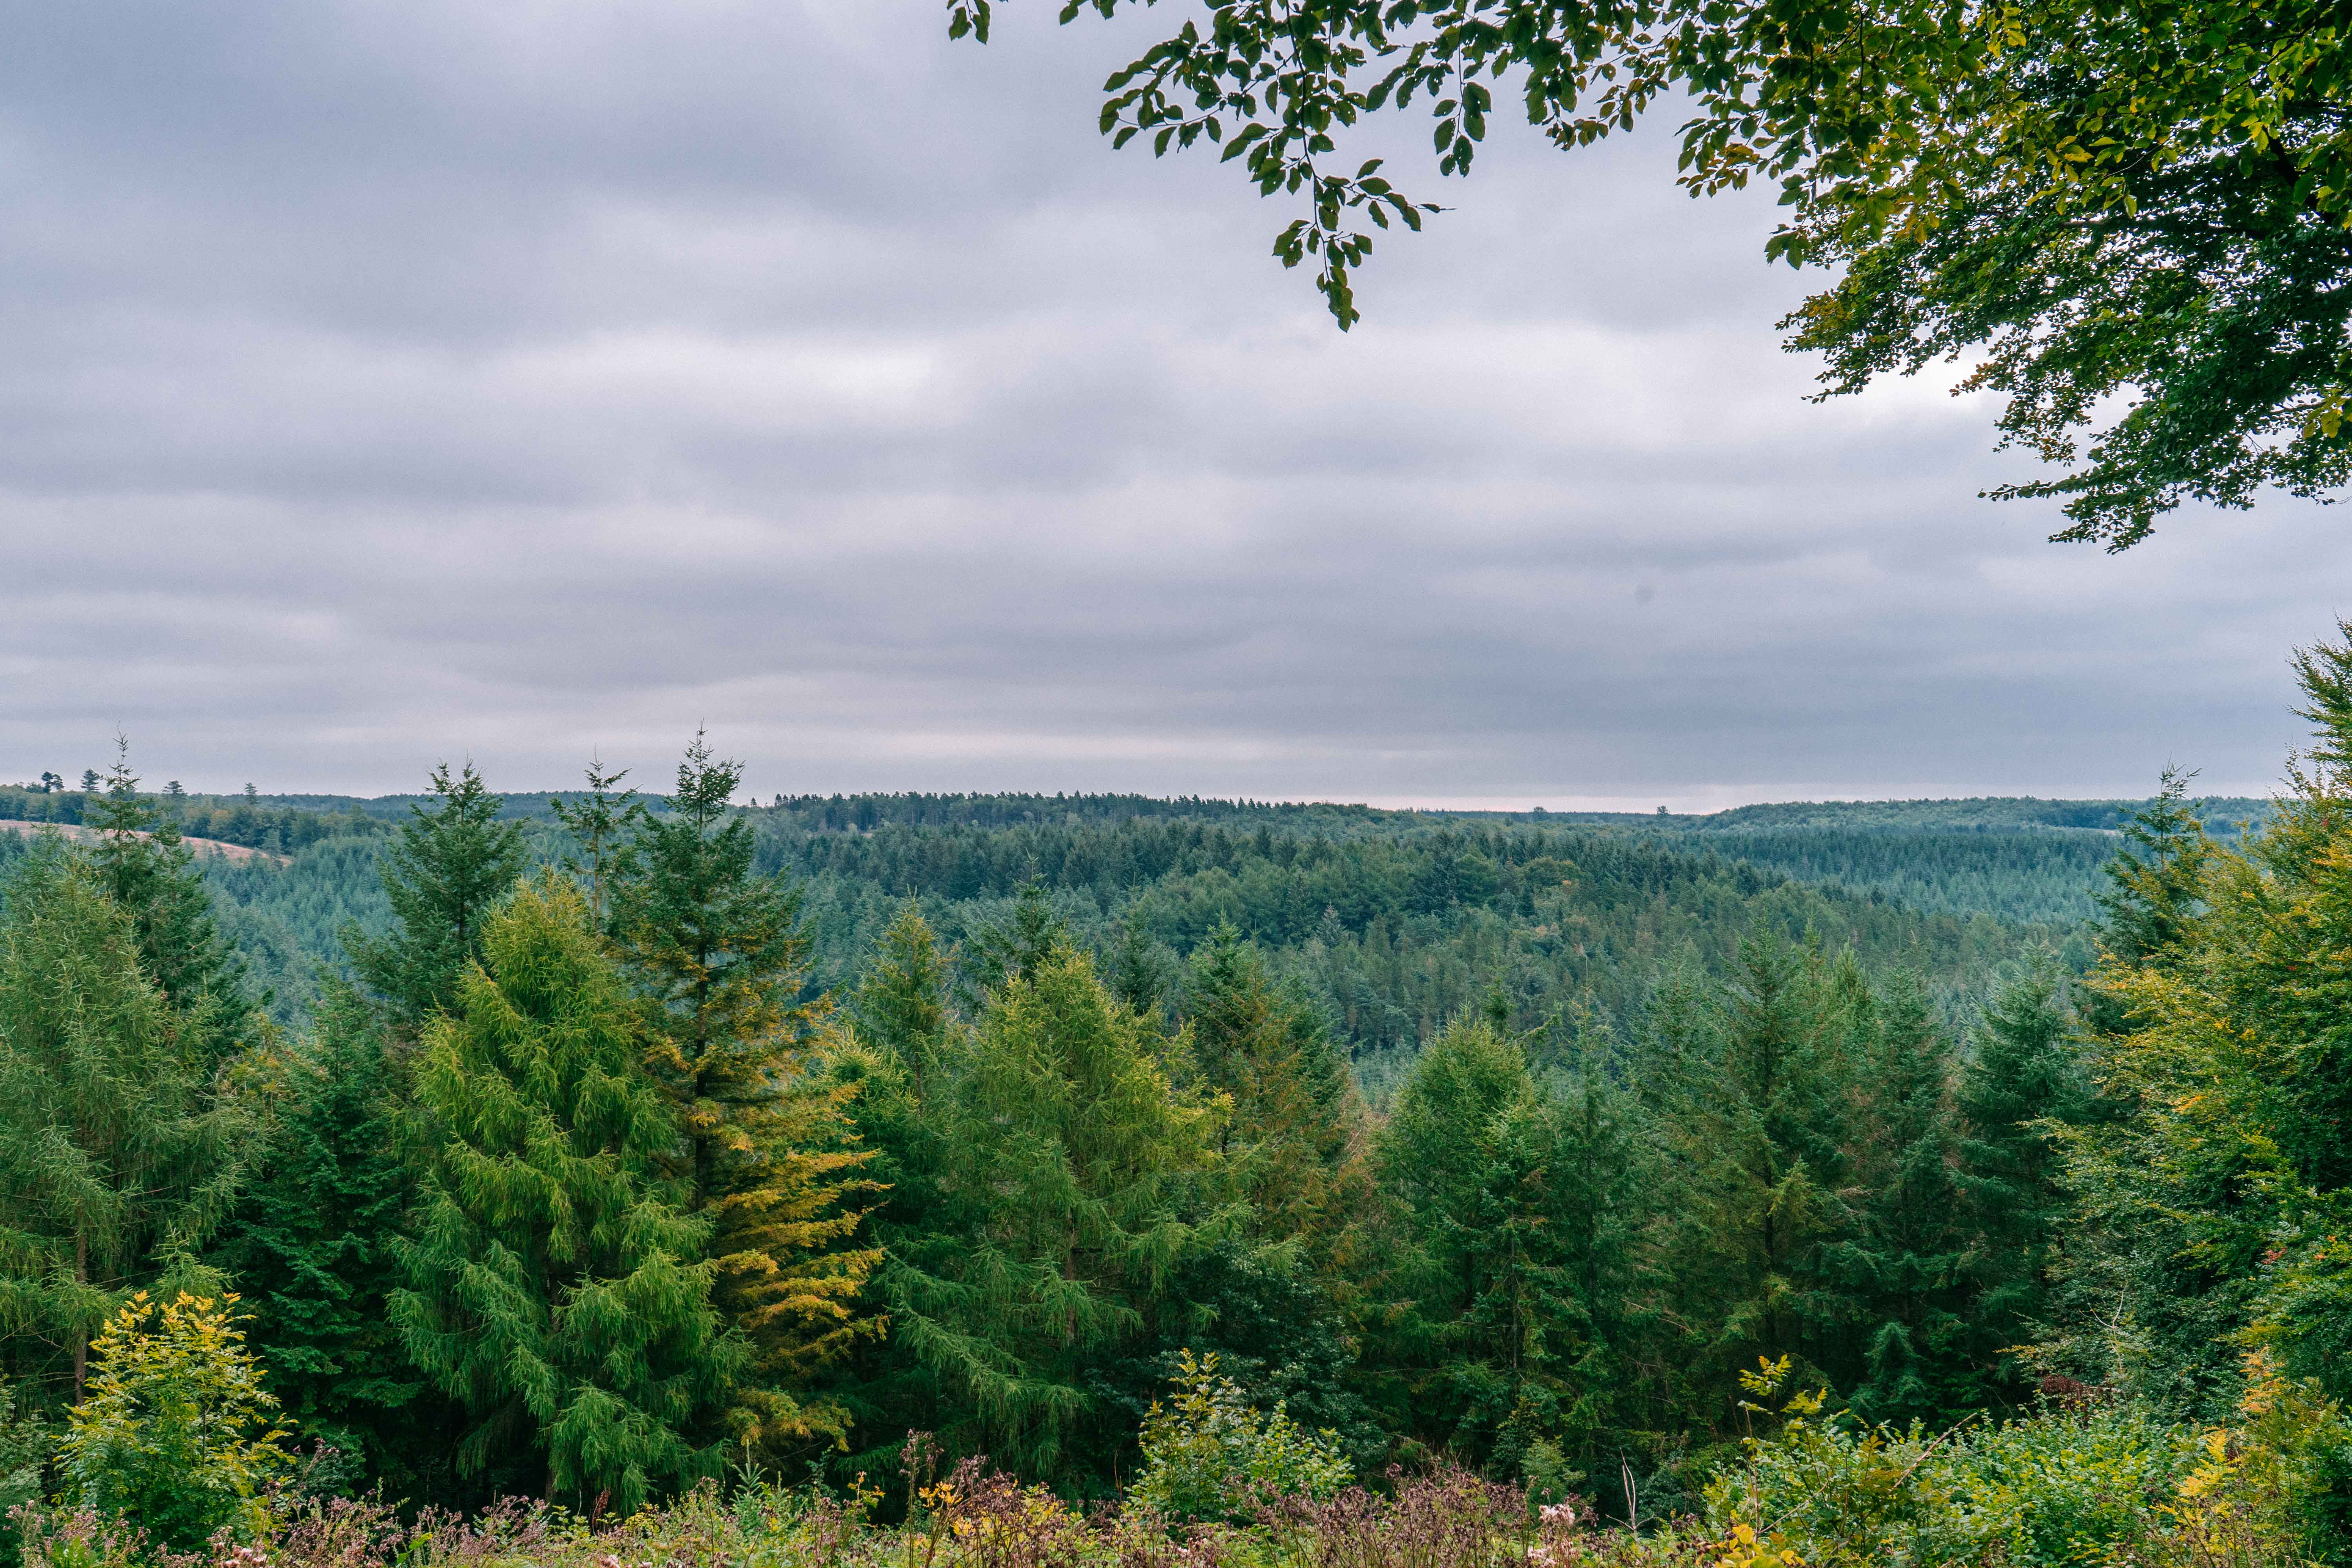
(599, 1148)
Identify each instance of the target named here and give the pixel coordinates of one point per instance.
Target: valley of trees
(588, 1146)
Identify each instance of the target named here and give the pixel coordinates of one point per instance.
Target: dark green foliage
(310, 1250)
(1749, 1087)
(552, 1284)
(2023, 1081)
(595, 1209)
(121, 1141)
(1043, 1175)
(150, 873)
(1516, 1209)
(445, 873)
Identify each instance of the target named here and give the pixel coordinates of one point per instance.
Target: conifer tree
(602, 826)
(1288, 1138)
(310, 1248)
(1514, 1215)
(902, 1004)
(552, 1284)
(902, 1065)
(1001, 953)
(1058, 1215)
(1136, 971)
(445, 874)
(2020, 1086)
(1910, 1263)
(151, 873)
(2155, 892)
(119, 1140)
(770, 1161)
(1749, 1109)
(2214, 1179)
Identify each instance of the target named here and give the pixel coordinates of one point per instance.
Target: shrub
(174, 1433)
(1209, 1455)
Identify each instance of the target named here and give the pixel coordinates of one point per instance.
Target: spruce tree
(1057, 1216)
(1514, 1212)
(1748, 1087)
(769, 1160)
(2020, 1085)
(151, 873)
(1288, 1138)
(901, 1005)
(2155, 893)
(602, 826)
(120, 1143)
(445, 875)
(553, 1283)
(1910, 1265)
(902, 1064)
(310, 1248)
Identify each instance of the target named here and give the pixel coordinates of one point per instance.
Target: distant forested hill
(1392, 921)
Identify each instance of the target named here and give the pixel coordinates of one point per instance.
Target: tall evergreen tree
(2216, 1183)
(1515, 1218)
(2022, 1084)
(1288, 1136)
(148, 870)
(602, 826)
(445, 875)
(2155, 893)
(1910, 1263)
(310, 1248)
(1057, 1216)
(902, 1065)
(770, 1162)
(1750, 1109)
(120, 1140)
(553, 1283)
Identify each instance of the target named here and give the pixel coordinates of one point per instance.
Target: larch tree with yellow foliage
(766, 1155)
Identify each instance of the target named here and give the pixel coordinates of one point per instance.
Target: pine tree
(1910, 1265)
(553, 1285)
(2022, 1082)
(1749, 1106)
(1137, 971)
(1057, 1217)
(146, 870)
(770, 1161)
(902, 1064)
(1288, 1137)
(2214, 1179)
(2155, 892)
(120, 1142)
(602, 826)
(902, 1004)
(310, 1248)
(1003, 953)
(451, 865)
(1514, 1212)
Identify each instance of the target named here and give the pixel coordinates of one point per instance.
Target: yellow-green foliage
(175, 1433)
(1207, 1453)
(2067, 1487)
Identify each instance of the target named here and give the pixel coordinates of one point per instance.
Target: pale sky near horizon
(393, 383)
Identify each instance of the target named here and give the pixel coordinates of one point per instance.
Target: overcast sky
(387, 382)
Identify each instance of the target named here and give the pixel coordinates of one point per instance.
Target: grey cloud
(389, 384)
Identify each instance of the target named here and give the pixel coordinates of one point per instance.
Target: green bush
(173, 1434)
(25, 1446)
(1208, 1455)
(2067, 1487)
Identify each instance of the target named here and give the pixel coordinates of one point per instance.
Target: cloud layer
(389, 384)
